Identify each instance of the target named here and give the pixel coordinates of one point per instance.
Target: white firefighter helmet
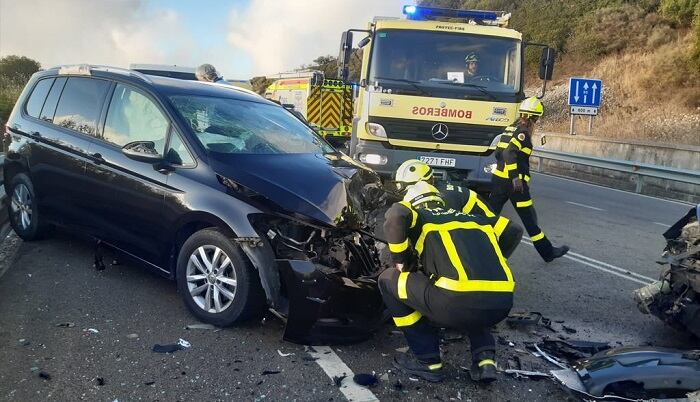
(421, 193)
(412, 171)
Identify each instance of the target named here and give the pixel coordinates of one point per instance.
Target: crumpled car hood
(330, 189)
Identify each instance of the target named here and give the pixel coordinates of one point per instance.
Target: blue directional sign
(585, 92)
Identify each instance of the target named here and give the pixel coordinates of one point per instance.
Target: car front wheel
(217, 282)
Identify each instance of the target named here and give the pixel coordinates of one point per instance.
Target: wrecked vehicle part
(638, 373)
(675, 298)
(572, 350)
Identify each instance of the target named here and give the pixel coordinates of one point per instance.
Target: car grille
(419, 130)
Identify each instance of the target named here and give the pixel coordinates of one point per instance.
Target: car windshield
(429, 59)
(241, 127)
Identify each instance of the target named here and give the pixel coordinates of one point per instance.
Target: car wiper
(467, 84)
(412, 83)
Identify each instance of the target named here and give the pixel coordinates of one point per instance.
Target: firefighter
(463, 281)
(458, 198)
(511, 176)
(207, 73)
(472, 64)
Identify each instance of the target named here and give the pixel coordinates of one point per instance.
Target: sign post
(584, 99)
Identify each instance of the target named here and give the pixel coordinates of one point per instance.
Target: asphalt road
(614, 236)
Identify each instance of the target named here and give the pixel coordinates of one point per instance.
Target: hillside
(646, 52)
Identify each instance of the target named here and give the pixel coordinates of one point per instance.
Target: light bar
(428, 13)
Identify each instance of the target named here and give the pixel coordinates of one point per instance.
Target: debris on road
(65, 325)
(284, 354)
(45, 376)
(568, 330)
(402, 349)
(149, 383)
(572, 350)
(100, 381)
(366, 380)
(547, 357)
(200, 326)
(171, 348)
(338, 380)
(535, 375)
(132, 336)
(270, 372)
(93, 330)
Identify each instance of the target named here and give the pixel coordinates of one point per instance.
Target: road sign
(587, 110)
(585, 92)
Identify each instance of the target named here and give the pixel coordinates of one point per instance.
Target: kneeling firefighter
(458, 198)
(511, 177)
(463, 281)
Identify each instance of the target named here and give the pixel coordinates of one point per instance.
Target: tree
(17, 69)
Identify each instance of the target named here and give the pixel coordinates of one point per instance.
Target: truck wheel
(23, 209)
(217, 282)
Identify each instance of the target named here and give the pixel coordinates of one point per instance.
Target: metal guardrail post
(640, 184)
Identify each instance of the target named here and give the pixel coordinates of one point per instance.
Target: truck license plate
(441, 162)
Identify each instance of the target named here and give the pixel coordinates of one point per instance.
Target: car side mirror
(142, 151)
(547, 63)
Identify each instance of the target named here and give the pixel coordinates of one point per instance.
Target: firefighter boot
(483, 368)
(557, 252)
(410, 365)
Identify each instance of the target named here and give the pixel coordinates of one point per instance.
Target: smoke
(283, 35)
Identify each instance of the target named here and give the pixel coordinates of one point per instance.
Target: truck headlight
(373, 159)
(375, 129)
(490, 168)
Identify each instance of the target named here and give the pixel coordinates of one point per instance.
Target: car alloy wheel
(211, 279)
(21, 206)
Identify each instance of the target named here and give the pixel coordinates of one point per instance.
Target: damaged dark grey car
(240, 202)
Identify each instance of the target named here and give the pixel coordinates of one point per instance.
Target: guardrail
(642, 170)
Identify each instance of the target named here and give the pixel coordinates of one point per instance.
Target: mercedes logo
(440, 131)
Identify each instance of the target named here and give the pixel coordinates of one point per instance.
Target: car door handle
(97, 158)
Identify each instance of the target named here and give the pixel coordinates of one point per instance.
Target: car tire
(218, 292)
(23, 209)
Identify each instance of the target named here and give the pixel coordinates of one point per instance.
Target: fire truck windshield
(446, 64)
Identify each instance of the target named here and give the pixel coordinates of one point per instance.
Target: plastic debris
(338, 380)
(200, 326)
(284, 354)
(528, 374)
(132, 336)
(366, 380)
(45, 376)
(568, 330)
(93, 330)
(171, 348)
(65, 325)
(549, 358)
(100, 381)
(572, 350)
(270, 372)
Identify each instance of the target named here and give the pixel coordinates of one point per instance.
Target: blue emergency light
(430, 13)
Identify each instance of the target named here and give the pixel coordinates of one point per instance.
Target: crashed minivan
(245, 206)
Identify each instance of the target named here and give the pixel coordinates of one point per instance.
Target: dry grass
(648, 95)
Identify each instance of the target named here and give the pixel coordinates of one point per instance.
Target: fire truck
(326, 104)
(439, 85)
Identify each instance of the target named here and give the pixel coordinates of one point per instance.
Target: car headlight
(373, 159)
(375, 129)
(490, 168)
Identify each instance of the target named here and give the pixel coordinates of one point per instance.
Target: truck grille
(419, 130)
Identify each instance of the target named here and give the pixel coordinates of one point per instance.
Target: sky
(241, 38)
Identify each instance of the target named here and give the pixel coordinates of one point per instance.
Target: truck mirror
(344, 55)
(363, 42)
(547, 63)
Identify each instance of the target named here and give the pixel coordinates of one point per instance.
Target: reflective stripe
(510, 167)
(538, 236)
(414, 214)
(487, 361)
(523, 204)
(470, 203)
(398, 247)
(436, 366)
(408, 320)
(475, 285)
(526, 151)
(502, 145)
(454, 257)
(517, 143)
(485, 208)
(499, 173)
(403, 277)
(500, 225)
(527, 178)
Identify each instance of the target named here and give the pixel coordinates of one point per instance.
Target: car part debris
(572, 350)
(65, 325)
(634, 374)
(93, 330)
(675, 298)
(100, 381)
(45, 376)
(530, 319)
(338, 380)
(200, 326)
(527, 374)
(366, 380)
(171, 348)
(549, 358)
(270, 372)
(284, 354)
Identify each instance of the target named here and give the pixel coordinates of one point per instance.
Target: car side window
(49, 108)
(38, 96)
(177, 151)
(134, 117)
(80, 104)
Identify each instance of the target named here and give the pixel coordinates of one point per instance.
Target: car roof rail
(87, 69)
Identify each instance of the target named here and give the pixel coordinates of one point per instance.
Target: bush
(679, 11)
(695, 51)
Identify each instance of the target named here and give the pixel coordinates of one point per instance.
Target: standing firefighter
(458, 198)
(512, 175)
(463, 281)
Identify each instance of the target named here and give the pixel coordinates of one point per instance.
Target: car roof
(163, 85)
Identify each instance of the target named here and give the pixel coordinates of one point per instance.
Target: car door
(62, 133)
(129, 194)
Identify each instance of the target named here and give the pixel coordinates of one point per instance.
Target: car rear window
(49, 108)
(38, 96)
(80, 104)
(233, 126)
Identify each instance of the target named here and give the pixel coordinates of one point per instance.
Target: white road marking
(613, 189)
(605, 267)
(661, 224)
(334, 367)
(584, 205)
